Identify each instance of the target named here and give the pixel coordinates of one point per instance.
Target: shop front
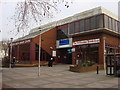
(86, 50)
(94, 47)
(22, 51)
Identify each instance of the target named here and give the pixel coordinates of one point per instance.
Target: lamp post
(104, 41)
(10, 52)
(39, 54)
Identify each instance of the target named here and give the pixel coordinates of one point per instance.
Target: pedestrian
(50, 62)
(13, 62)
(52, 59)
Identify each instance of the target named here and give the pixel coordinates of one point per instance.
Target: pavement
(57, 76)
(0, 73)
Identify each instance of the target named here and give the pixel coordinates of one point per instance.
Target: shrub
(5, 62)
(88, 63)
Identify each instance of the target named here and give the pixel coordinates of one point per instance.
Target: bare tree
(4, 46)
(34, 11)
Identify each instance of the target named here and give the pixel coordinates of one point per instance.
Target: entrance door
(109, 66)
(113, 64)
(69, 58)
(65, 56)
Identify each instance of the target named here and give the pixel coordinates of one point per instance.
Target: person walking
(50, 63)
(13, 62)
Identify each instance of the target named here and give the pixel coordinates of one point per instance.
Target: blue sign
(64, 42)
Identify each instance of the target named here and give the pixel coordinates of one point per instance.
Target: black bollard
(97, 69)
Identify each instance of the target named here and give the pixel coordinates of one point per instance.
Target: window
(106, 21)
(62, 32)
(87, 24)
(93, 22)
(77, 26)
(100, 21)
(113, 25)
(43, 56)
(116, 26)
(86, 52)
(82, 26)
(65, 30)
(36, 52)
(71, 28)
(59, 32)
(110, 23)
(119, 27)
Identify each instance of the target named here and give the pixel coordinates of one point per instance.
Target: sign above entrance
(64, 43)
(91, 41)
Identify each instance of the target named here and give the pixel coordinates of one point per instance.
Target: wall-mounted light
(51, 47)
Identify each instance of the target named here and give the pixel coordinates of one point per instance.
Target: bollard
(97, 69)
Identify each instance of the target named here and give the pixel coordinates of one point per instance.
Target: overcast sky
(7, 9)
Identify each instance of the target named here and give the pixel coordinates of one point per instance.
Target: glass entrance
(65, 56)
(87, 53)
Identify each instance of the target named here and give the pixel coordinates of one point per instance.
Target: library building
(86, 36)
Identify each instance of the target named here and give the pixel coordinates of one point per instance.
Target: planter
(79, 68)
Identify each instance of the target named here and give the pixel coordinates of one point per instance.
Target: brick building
(85, 36)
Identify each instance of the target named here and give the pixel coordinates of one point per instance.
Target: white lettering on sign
(91, 41)
(21, 42)
(27, 41)
(17, 43)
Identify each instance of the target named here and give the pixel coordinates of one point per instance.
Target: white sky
(7, 11)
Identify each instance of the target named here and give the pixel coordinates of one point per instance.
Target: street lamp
(39, 54)
(104, 41)
(10, 52)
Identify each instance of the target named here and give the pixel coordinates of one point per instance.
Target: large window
(110, 23)
(77, 26)
(113, 24)
(82, 25)
(93, 22)
(116, 26)
(45, 56)
(87, 53)
(106, 21)
(71, 27)
(62, 32)
(119, 27)
(99, 21)
(87, 24)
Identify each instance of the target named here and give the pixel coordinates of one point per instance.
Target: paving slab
(99, 85)
(37, 82)
(56, 85)
(77, 82)
(56, 79)
(57, 76)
